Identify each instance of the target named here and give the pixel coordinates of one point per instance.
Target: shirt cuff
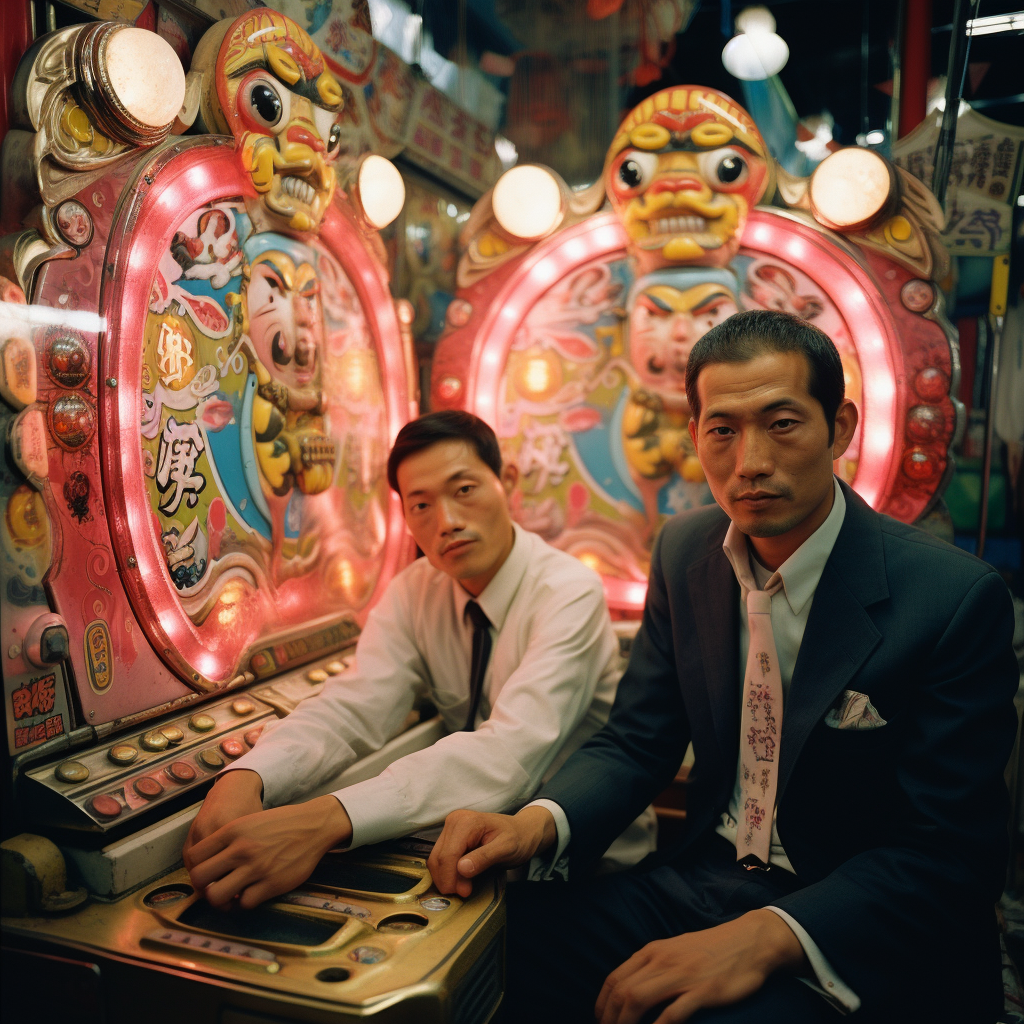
(545, 868)
(829, 984)
(370, 806)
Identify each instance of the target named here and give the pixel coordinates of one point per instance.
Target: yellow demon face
(682, 173)
(281, 103)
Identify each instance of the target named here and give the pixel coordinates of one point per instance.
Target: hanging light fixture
(756, 52)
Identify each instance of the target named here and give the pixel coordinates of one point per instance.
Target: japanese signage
(984, 179)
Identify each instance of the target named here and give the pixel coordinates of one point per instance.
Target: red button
(147, 787)
(181, 771)
(105, 806)
(252, 736)
(232, 747)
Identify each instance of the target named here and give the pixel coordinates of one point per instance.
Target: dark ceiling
(826, 68)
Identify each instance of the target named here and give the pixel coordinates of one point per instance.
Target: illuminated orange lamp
(853, 189)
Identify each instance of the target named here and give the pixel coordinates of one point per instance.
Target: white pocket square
(854, 711)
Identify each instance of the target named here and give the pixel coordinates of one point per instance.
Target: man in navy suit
(874, 895)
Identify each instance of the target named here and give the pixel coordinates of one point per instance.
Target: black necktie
(478, 665)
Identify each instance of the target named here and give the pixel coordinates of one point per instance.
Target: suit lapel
(714, 598)
(840, 634)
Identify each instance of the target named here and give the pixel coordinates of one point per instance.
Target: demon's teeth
(298, 189)
(692, 225)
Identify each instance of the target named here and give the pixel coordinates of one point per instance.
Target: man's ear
(509, 477)
(847, 418)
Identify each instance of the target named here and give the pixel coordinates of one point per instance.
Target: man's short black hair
(747, 335)
(448, 425)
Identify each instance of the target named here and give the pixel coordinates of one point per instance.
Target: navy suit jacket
(897, 834)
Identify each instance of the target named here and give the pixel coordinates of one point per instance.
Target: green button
(71, 771)
(201, 723)
(155, 740)
(211, 759)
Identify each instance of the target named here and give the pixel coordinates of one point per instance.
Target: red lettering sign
(34, 698)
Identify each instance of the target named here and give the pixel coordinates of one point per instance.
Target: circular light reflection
(527, 201)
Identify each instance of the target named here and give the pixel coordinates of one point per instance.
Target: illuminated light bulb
(355, 372)
(752, 57)
(591, 561)
(145, 75)
(875, 137)
(850, 189)
(380, 189)
(527, 202)
(537, 376)
(755, 19)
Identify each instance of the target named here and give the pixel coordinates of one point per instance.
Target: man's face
(762, 441)
(285, 321)
(457, 511)
(662, 333)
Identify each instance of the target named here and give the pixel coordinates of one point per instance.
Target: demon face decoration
(272, 91)
(682, 173)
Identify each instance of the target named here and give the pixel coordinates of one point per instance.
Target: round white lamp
(754, 56)
(527, 202)
(380, 190)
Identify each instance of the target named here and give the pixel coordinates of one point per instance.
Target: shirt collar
(802, 570)
(496, 597)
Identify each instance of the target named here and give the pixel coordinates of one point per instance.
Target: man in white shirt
(847, 683)
(490, 604)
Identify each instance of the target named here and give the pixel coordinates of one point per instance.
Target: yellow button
(316, 675)
(243, 707)
(335, 667)
(71, 771)
(211, 759)
(123, 753)
(201, 723)
(900, 229)
(173, 733)
(155, 740)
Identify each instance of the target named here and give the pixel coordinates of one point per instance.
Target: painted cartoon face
(682, 174)
(281, 104)
(286, 324)
(664, 325)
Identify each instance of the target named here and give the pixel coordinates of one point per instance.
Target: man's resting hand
(234, 795)
(473, 841)
(714, 967)
(266, 853)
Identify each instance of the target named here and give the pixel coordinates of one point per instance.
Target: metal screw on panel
(149, 179)
(132, 561)
(92, 714)
(111, 382)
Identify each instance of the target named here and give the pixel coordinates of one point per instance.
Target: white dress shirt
(791, 607)
(549, 686)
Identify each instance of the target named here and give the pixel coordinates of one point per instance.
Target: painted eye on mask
(724, 169)
(265, 103)
(329, 130)
(636, 171)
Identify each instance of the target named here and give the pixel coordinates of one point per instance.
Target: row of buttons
(321, 675)
(108, 806)
(124, 754)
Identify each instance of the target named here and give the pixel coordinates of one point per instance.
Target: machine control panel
(107, 784)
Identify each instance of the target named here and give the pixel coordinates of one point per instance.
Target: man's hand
(267, 853)
(234, 795)
(473, 841)
(715, 967)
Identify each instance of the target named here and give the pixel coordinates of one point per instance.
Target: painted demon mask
(272, 91)
(682, 173)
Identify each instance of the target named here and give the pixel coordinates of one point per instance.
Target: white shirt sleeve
(501, 764)
(352, 716)
(543, 869)
(829, 984)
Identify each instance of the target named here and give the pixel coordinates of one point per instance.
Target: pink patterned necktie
(762, 726)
